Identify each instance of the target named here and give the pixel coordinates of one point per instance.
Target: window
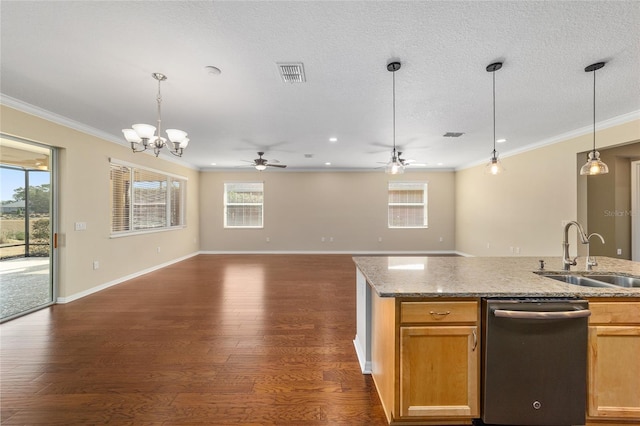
(243, 205)
(408, 205)
(145, 200)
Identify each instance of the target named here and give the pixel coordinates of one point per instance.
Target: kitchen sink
(579, 280)
(617, 280)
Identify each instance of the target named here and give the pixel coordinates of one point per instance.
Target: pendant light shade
(494, 166)
(394, 166)
(594, 166)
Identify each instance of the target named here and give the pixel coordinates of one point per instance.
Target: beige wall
(524, 207)
(350, 207)
(83, 188)
(609, 201)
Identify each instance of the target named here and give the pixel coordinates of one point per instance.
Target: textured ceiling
(91, 62)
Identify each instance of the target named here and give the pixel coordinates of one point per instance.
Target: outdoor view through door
(25, 227)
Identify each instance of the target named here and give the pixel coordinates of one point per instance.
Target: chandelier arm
(138, 150)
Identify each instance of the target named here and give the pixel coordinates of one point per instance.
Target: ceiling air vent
(292, 72)
(453, 134)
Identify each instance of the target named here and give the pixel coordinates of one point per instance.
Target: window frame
(128, 206)
(424, 204)
(226, 204)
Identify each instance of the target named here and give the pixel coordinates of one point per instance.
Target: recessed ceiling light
(333, 139)
(440, 164)
(327, 163)
(501, 140)
(214, 164)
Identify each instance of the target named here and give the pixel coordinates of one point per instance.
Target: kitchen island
(429, 308)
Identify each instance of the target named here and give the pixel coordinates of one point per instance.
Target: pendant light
(594, 166)
(494, 166)
(394, 166)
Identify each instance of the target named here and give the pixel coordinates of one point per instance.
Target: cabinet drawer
(438, 312)
(614, 312)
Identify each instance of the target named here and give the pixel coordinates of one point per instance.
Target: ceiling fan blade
(282, 166)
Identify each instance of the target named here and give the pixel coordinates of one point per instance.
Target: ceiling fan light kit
(494, 166)
(395, 166)
(594, 166)
(262, 163)
(145, 133)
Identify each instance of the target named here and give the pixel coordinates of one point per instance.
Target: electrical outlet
(81, 226)
(379, 239)
(268, 239)
(517, 250)
(158, 249)
(619, 251)
(96, 265)
(441, 239)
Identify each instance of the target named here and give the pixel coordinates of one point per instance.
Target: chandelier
(145, 133)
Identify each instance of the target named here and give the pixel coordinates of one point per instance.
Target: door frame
(53, 220)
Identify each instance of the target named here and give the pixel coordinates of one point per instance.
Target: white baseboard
(101, 287)
(365, 365)
(351, 252)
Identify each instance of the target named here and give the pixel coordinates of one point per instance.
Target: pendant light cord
(394, 114)
(494, 113)
(594, 111)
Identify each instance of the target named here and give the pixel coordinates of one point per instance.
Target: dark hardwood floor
(216, 340)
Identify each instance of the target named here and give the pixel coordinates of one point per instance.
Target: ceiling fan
(262, 163)
(398, 156)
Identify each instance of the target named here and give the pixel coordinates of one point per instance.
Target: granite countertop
(415, 276)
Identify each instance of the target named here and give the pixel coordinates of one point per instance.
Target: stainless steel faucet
(591, 261)
(567, 262)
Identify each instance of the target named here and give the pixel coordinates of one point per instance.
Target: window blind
(407, 205)
(145, 200)
(243, 204)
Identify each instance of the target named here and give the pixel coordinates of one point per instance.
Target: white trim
(149, 169)
(635, 211)
(76, 125)
(463, 254)
(615, 121)
(351, 252)
(365, 366)
(63, 300)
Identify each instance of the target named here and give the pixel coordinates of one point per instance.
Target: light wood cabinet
(614, 362)
(435, 358)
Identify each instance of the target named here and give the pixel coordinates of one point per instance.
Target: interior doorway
(27, 226)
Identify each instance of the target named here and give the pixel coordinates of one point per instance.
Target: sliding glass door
(26, 227)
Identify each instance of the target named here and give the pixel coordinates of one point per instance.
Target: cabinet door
(614, 372)
(439, 371)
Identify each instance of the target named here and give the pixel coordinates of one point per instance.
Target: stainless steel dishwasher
(534, 361)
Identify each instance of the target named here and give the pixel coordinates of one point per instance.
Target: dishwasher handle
(542, 315)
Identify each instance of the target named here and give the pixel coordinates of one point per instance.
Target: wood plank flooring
(215, 339)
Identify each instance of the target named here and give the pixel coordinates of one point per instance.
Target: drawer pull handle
(439, 315)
